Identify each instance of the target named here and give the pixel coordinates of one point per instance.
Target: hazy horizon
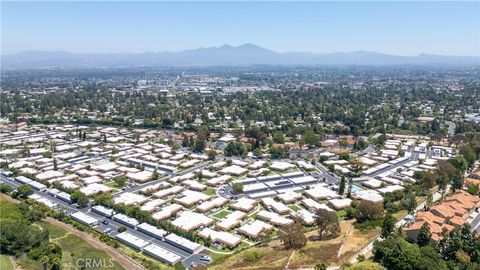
(399, 28)
(234, 46)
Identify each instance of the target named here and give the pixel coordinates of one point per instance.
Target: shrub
(251, 256)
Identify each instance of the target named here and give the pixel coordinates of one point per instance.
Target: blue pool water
(356, 188)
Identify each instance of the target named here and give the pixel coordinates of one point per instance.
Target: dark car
(105, 222)
(206, 259)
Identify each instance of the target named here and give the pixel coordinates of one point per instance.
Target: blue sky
(403, 28)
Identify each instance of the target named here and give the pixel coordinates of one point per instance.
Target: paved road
(370, 149)
(187, 258)
(451, 128)
(330, 177)
(413, 157)
(475, 223)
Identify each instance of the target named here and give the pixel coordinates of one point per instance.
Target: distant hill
(226, 55)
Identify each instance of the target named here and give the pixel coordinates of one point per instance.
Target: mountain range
(226, 55)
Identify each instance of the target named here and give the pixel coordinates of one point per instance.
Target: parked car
(205, 258)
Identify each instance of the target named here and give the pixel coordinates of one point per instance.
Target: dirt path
(290, 258)
(347, 234)
(124, 261)
(14, 263)
(61, 237)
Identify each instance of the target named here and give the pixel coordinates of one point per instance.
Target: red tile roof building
(452, 212)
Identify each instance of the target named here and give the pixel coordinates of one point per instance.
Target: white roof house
(168, 191)
(152, 205)
(225, 238)
(368, 195)
(231, 220)
(188, 221)
(307, 217)
(94, 189)
(234, 170)
(190, 197)
(49, 175)
(320, 193)
(142, 176)
(219, 180)
(244, 204)
(255, 228)
(281, 166)
(128, 198)
(340, 203)
(167, 211)
(209, 205)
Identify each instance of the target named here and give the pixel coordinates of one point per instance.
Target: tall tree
(424, 236)
(388, 225)
(327, 222)
(292, 235)
(341, 187)
(368, 210)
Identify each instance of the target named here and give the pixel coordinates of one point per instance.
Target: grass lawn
(400, 214)
(365, 265)
(221, 214)
(74, 248)
(54, 231)
(114, 185)
(5, 263)
(341, 214)
(294, 207)
(219, 257)
(210, 191)
(8, 209)
(111, 184)
(31, 264)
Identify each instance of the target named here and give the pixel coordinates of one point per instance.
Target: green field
(8, 209)
(210, 191)
(75, 251)
(222, 213)
(295, 207)
(74, 248)
(5, 263)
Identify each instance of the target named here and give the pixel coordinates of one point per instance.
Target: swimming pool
(356, 188)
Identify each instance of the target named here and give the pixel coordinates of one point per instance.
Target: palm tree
(44, 261)
(56, 262)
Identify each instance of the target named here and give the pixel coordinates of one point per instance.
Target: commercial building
(151, 230)
(183, 243)
(161, 254)
(102, 210)
(126, 220)
(84, 219)
(132, 240)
